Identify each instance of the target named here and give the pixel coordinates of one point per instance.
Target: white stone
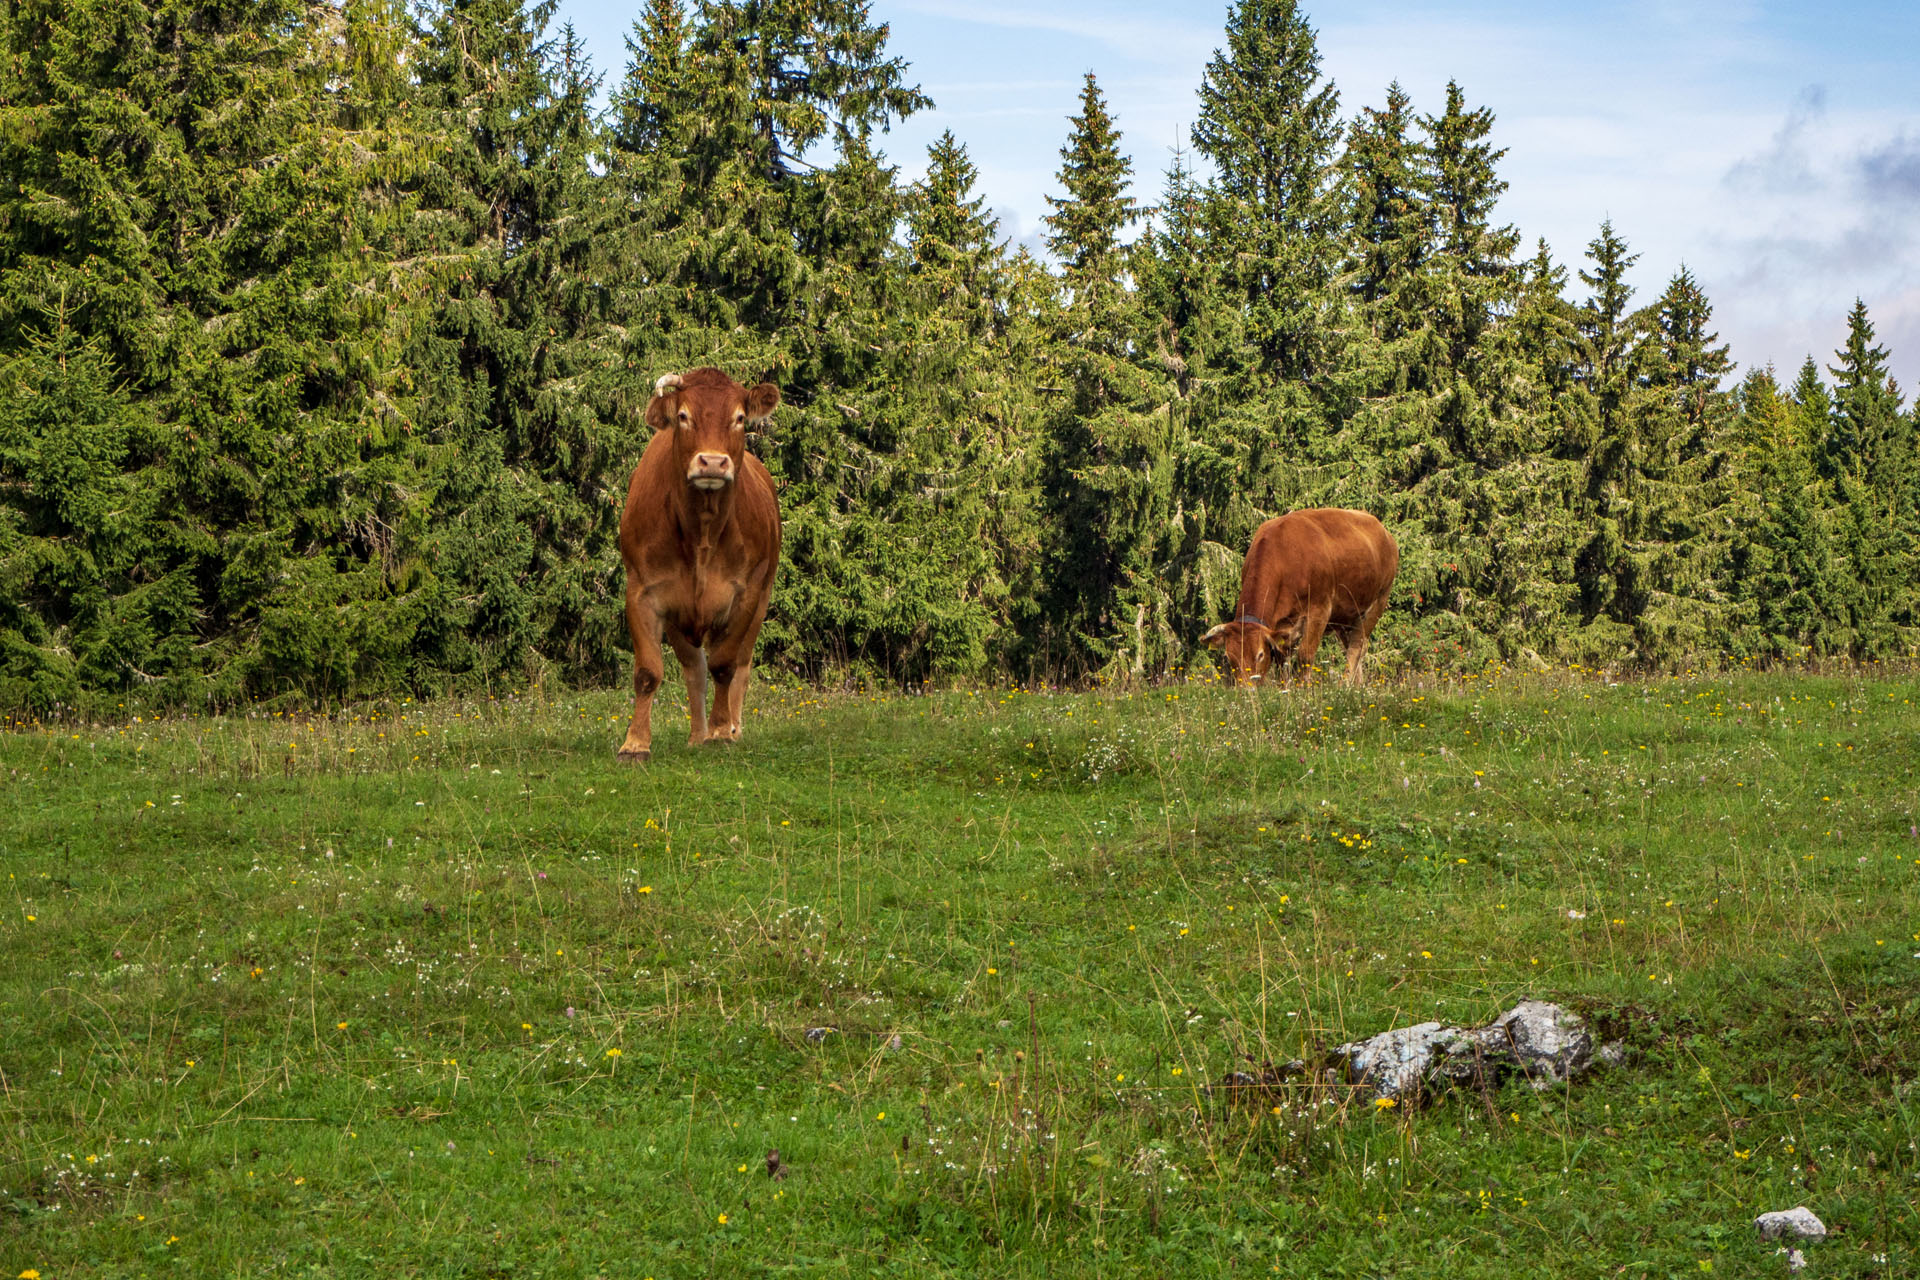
(1798, 1223)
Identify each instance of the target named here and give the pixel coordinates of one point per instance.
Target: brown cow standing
(1307, 571)
(701, 538)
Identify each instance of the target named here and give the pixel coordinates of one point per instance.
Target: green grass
(446, 991)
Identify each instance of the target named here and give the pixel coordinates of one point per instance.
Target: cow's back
(1328, 557)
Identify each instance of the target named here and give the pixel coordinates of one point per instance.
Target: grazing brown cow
(1306, 571)
(701, 538)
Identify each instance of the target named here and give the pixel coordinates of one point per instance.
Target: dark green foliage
(1105, 475)
(326, 332)
(1270, 127)
(205, 228)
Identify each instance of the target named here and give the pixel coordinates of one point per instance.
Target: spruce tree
(525, 515)
(1474, 277)
(1392, 226)
(1781, 573)
(644, 120)
(1105, 474)
(1693, 361)
(1869, 454)
(1270, 127)
(809, 69)
(1612, 575)
(232, 273)
(1194, 332)
(1084, 229)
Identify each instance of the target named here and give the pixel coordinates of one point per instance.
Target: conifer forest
(327, 331)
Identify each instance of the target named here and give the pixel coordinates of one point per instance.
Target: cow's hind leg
(693, 665)
(1357, 637)
(644, 626)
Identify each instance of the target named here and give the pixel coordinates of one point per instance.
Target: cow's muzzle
(710, 471)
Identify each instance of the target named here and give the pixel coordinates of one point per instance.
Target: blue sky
(1772, 147)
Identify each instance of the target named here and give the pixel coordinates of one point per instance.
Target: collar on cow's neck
(1248, 617)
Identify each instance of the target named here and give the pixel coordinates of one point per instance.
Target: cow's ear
(1216, 638)
(666, 398)
(762, 401)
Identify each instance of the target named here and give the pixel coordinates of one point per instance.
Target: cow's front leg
(1312, 630)
(643, 625)
(730, 659)
(693, 665)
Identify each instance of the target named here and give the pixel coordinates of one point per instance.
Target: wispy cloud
(1173, 38)
(1891, 171)
(1784, 165)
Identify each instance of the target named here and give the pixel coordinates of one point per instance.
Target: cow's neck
(704, 515)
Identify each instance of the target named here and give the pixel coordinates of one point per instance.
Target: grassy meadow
(444, 990)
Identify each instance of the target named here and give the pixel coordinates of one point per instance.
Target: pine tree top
(1085, 225)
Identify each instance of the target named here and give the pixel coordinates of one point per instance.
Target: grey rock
(1611, 1054)
(1394, 1063)
(1797, 1223)
(816, 1034)
(1550, 1044)
(1542, 1041)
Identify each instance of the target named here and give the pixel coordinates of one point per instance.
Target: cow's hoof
(627, 756)
(721, 739)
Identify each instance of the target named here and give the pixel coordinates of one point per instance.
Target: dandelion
(645, 888)
(339, 1026)
(1385, 1104)
(991, 971)
(30, 1274)
(881, 1116)
(613, 1053)
(723, 1217)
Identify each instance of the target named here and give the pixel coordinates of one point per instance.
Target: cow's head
(708, 413)
(1251, 647)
